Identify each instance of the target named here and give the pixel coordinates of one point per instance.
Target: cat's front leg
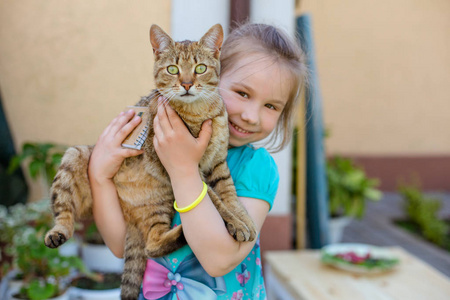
(222, 192)
(239, 224)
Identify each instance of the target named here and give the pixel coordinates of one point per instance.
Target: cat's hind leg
(163, 240)
(70, 195)
(154, 221)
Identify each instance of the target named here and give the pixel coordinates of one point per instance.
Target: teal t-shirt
(179, 275)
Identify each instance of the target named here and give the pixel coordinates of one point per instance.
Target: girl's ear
(159, 39)
(213, 39)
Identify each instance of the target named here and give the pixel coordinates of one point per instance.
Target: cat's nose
(186, 85)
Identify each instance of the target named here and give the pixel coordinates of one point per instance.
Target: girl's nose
(251, 115)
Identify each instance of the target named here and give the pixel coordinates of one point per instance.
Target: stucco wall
(384, 75)
(68, 67)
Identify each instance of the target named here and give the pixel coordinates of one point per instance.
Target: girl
(262, 74)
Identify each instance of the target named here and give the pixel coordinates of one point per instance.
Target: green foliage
(349, 188)
(423, 211)
(43, 268)
(43, 159)
(15, 221)
(22, 230)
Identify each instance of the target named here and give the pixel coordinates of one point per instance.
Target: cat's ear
(159, 39)
(213, 39)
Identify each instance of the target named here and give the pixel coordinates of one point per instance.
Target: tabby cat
(187, 74)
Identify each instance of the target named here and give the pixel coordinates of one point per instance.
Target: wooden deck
(377, 228)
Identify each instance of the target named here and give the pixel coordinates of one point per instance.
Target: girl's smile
(239, 130)
(255, 91)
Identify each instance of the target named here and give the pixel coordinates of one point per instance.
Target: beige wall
(68, 67)
(384, 70)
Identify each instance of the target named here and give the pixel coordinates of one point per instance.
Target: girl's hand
(108, 153)
(178, 150)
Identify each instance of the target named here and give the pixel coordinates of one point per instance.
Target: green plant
(13, 222)
(44, 269)
(43, 160)
(349, 188)
(6, 238)
(423, 212)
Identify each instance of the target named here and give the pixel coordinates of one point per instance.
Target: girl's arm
(104, 163)
(205, 230)
(203, 226)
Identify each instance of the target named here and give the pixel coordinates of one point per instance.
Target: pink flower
(237, 295)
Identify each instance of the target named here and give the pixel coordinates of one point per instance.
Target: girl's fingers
(163, 118)
(131, 152)
(119, 122)
(108, 128)
(205, 133)
(173, 117)
(157, 127)
(127, 128)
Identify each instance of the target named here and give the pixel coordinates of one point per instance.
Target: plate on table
(359, 258)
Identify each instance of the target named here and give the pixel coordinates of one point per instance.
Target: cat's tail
(70, 195)
(135, 263)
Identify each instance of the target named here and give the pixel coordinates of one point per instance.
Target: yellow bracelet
(193, 204)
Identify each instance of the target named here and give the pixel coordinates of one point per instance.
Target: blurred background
(381, 74)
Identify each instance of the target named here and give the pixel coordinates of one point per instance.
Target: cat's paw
(241, 232)
(54, 239)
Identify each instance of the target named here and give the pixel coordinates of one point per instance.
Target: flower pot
(14, 286)
(83, 294)
(336, 227)
(100, 258)
(70, 248)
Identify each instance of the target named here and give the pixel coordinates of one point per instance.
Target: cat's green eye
(200, 69)
(172, 70)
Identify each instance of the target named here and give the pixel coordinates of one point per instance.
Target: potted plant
(45, 271)
(104, 286)
(349, 188)
(7, 228)
(13, 222)
(422, 214)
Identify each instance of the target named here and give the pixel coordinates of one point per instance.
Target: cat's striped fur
(143, 185)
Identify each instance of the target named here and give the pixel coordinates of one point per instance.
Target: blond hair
(248, 39)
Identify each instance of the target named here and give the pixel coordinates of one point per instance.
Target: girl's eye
(270, 106)
(242, 94)
(200, 69)
(172, 70)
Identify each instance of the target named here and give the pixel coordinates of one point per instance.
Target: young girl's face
(255, 91)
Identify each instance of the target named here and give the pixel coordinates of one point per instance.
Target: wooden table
(301, 275)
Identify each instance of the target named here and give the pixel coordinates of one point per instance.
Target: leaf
(40, 291)
(44, 148)
(35, 168)
(56, 159)
(29, 149)
(373, 194)
(14, 164)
